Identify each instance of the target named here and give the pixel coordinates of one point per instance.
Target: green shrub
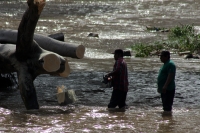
(144, 50)
(184, 38)
(182, 31)
(180, 38)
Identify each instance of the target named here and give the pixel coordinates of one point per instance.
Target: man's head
(164, 56)
(118, 53)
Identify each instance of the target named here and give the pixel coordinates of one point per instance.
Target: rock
(127, 53)
(195, 57)
(187, 56)
(152, 28)
(93, 35)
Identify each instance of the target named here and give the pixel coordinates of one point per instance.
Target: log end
(40, 4)
(51, 63)
(80, 51)
(66, 72)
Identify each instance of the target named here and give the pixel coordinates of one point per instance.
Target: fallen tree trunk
(47, 43)
(28, 59)
(45, 62)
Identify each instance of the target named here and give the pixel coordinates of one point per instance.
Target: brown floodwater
(120, 24)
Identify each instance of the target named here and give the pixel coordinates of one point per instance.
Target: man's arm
(116, 71)
(169, 79)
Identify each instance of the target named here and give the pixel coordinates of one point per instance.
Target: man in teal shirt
(166, 81)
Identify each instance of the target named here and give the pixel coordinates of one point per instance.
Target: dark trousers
(118, 98)
(167, 100)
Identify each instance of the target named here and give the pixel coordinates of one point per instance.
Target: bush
(144, 50)
(180, 38)
(184, 38)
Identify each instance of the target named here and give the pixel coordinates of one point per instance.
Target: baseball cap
(164, 53)
(118, 51)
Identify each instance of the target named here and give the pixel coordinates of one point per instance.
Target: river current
(119, 24)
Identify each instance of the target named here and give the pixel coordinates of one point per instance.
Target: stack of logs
(30, 55)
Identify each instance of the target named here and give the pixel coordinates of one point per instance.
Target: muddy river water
(120, 24)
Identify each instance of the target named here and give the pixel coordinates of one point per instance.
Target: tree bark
(25, 48)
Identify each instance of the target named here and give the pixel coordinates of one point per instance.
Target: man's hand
(158, 91)
(164, 89)
(107, 75)
(169, 79)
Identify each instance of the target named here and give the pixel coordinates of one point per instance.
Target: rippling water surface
(120, 24)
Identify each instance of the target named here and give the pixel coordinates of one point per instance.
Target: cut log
(65, 96)
(57, 36)
(47, 43)
(184, 53)
(48, 65)
(44, 62)
(66, 71)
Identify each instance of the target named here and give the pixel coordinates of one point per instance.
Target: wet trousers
(167, 100)
(118, 98)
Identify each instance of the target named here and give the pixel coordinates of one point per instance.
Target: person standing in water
(166, 81)
(119, 81)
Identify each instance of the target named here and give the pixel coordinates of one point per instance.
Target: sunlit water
(97, 119)
(119, 24)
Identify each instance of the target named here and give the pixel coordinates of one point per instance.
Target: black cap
(164, 53)
(119, 51)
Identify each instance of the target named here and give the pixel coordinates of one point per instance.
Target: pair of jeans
(118, 98)
(167, 99)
